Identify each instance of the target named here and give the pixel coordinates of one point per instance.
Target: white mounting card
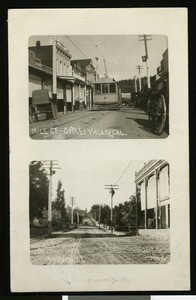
(85, 277)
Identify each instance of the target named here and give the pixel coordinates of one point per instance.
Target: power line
(77, 47)
(124, 172)
(120, 66)
(120, 177)
(112, 188)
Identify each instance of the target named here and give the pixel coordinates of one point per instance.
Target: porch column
(90, 94)
(85, 95)
(54, 73)
(136, 210)
(72, 97)
(157, 199)
(145, 213)
(79, 92)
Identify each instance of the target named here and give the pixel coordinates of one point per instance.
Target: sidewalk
(52, 123)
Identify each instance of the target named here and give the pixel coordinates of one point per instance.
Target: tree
(59, 203)
(38, 187)
(105, 213)
(125, 215)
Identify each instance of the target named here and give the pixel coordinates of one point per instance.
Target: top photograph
(98, 87)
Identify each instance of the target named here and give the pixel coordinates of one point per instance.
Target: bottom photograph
(99, 212)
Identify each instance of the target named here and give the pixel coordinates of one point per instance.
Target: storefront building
(64, 76)
(153, 195)
(85, 69)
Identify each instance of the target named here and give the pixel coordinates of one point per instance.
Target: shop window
(164, 182)
(163, 217)
(105, 88)
(141, 220)
(151, 218)
(112, 88)
(97, 88)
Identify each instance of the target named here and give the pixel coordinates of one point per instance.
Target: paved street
(91, 245)
(127, 123)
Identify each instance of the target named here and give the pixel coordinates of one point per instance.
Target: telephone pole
(78, 218)
(135, 77)
(52, 165)
(99, 215)
(145, 38)
(139, 71)
(111, 187)
(72, 199)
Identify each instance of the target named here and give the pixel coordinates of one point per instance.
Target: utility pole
(78, 219)
(52, 165)
(139, 71)
(99, 215)
(111, 187)
(145, 38)
(135, 83)
(72, 204)
(96, 58)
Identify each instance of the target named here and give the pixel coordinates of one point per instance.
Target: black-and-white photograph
(113, 212)
(98, 87)
(99, 194)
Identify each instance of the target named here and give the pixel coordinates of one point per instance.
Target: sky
(122, 53)
(86, 180)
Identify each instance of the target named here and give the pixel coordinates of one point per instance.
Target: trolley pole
(145, 38)
(112, 188)
(139, 71)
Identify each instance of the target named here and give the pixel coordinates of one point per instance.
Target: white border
(172, 22)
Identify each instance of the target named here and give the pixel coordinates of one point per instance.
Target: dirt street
(127, 123)
(91, 245)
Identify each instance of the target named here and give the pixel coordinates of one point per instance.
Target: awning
(67, 78)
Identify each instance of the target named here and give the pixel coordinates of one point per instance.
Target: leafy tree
(59, 202)
(38, 187)
(105, 213)
(125, 215)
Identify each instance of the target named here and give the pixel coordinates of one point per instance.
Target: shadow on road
(82, 235)
(144, 124)
(131, 110)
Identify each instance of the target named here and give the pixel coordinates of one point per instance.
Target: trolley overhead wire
(77, 47)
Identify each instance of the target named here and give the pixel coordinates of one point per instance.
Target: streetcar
(106, 94)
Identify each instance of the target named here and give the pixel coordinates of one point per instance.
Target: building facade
(74, 78)
(64, 78)
(40, 75)
(153, 195)
(85, 69)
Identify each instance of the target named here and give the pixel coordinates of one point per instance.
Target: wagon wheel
(160, 114)
(53, 111)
